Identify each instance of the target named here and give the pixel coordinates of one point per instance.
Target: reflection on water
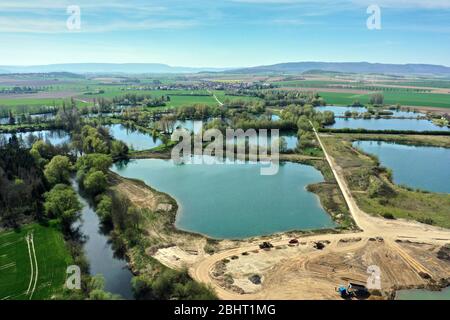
(55, 137)
(133, 138)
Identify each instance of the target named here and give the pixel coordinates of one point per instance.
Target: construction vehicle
(353, 289)
(266, 245)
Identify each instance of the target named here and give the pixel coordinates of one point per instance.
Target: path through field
(36, 268)
(215, 97)
(34, 273)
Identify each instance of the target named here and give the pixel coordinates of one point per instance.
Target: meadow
(392, 98)
(15, 268)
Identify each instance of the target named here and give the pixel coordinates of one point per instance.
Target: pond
(234, 201)
(339, 111)
(55, 137)
(387, 124)
(417, 167)
(134, 139)
(100, 254)
(420, 294)
(43, 116)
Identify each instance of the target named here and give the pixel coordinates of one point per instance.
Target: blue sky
(224, 33)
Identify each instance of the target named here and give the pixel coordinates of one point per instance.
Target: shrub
(388, 215)
(95, 182)
(427, 220)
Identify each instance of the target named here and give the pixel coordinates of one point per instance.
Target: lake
(339, 111)
(415, 166)
(387, 124)
(234, 201)
(134, 139)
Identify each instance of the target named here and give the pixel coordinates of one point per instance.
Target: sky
(223, 33)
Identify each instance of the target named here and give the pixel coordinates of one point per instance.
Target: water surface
(339, 111)
(426, 168)
(55, 137)
(100, 255)
(234, 200)
(194, 126)
(387, 124)
(134, 139)
(420, 294)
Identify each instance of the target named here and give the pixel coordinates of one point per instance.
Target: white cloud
(410, 4)
(46, 16)
(428, 4)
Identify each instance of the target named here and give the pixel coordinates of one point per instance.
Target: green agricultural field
(20, 106)
(178, 98)
(402, 98)
(308, 83)
(422, 83)
(15, 267)
(222, 96)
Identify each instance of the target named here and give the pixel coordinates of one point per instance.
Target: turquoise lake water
(425, 168)
(419, 294)
(133, 138)
(260, 205)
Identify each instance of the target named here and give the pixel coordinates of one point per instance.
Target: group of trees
(171, 285)
(377, 99)
(147, 100)
(98, 139)
(285, 98)
(294, 113)
(304, 117)
(22, 184)
(92, 170)
(200, 112)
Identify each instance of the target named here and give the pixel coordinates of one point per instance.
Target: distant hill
(347, 67)
(286, 68)
(42, 74)
(106, 68)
